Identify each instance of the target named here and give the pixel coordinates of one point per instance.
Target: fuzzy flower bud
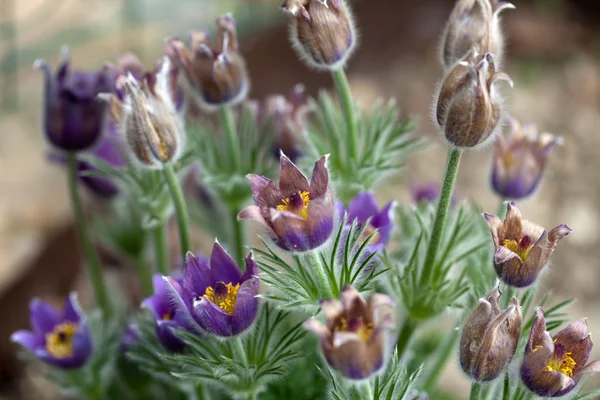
(148, 118)
(214, 73)
(321, 31)
(473, 24)
(468, 107)
(490, 338)
(520, 160)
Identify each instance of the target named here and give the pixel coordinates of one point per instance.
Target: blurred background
(553, 56)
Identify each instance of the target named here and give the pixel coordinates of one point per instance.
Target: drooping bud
(490, 337)
(468, 107)
(473, 24)
(148, 118)
(322, 31)
(215, 73)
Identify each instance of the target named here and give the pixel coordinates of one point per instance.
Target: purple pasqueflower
(520, 160)
(168, 318)
(358, 338)
(73, 118)
(554, 365)
(364, 207)
(215, 295)
(298, 215)
(61, 339)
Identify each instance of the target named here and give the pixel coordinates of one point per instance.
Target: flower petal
(315, 326)
(196, 275)
(289, 230)
(166, 333)
(558, 233)
(291, 179)
(333, 310)
(72, 311)
(320, 220)
(246, 308)
(27, 339)
(211, 318)
(251, 271)
(223, 268)
(264, 192)
(254, 213)
(362, 207)
(354, 303)
(182, 301)
(511, 228)
(43, 317)
(319, 181)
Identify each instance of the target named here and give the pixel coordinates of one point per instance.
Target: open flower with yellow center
(520, 160)
(215, 296)
(168, 318)
(298, 215)
(522, 247)
(359, 335)
(554, 365)
(61, 339)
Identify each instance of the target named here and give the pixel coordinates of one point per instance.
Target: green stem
(506, 392)
(406, 333)
(448, 347)
(180, 208)
(508, 294)
(312, 258)
(238, 349)
(232, 138)
(161, 248)
(345, 95)
(89, 253)
(366, 391)
(145, 276)
(454, 156)
(475, 391)
(238, 235)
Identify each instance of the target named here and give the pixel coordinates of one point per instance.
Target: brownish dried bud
(322, 31)
(148, 118)
(468, 108)
(490, 337)
(473, 24)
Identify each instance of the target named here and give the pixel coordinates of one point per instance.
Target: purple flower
(298, 215)
(357, 338)
(215, 295)
(73, 118)
(61, 339)
(520, 160)
(553, 366)
(168, 318)
(363, 207)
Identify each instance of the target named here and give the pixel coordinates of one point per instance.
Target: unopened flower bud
(148, 117)
(322, 31)
(490, 337)
(215, 73)
(473, 24)
(468, 107)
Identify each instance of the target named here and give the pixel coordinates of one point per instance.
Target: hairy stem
(366, 391)
(406, 333)
(312, 258)
(475, 391)
(180, 209)
(89, 253)
(343, 89)
(232, 138)
(454, 156)
(238, 236)
(506, 392)
(161, 247)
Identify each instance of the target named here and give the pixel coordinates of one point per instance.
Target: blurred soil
(553, 56)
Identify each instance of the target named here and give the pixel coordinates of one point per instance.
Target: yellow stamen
(225, 302)
(368, 232)
(517, 248)
(364, 331)
(565, 366)
(59, 342)
(167, 317)
(509, 158)
(300, 209)
(539, 346)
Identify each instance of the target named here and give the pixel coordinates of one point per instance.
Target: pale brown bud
(473, 24)
(490, 337)
(322, 31)
(148, 118)
(468, 107)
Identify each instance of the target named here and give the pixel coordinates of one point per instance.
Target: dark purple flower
(166, 314)
(73, 118)
(298, 215)
(215, 295)
(214, 72)
(357, 339)
(129, 338)
(364, 207)
(61, 339)
(520, 160)
(553, 366)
